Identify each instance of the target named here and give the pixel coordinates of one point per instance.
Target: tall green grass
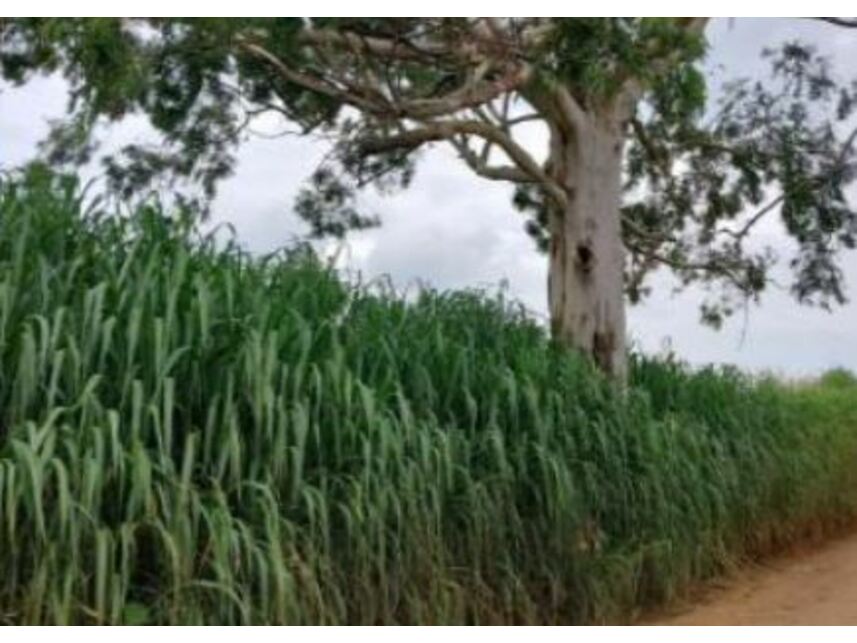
(192, 435)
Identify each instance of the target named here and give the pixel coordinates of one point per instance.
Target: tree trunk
(585, 279)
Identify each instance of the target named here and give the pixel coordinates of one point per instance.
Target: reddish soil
(817, 587)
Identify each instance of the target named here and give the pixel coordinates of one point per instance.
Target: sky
(453, 230)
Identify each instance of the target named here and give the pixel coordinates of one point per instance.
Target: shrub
(839, 378)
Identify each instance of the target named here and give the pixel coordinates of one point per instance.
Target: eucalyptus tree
(637, 173)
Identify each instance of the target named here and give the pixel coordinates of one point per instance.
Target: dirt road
(814, 588)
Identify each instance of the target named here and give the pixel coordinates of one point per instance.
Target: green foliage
(595, 56)
(192, 435)
(693, 188)
(838, 378)
(187, 76)
(771, 146)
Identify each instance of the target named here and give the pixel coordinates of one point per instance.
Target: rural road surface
(818, 587)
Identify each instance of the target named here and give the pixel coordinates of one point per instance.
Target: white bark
(585, 282)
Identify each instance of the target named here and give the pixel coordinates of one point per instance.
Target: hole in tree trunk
(585, 258)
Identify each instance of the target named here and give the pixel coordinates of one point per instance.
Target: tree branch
(713, 267)
(661, 162)
(468, 96)
(745, 229)
(398, 49)
(447, 130)
(850, 23)
(306, 81)
(472, 94)
(479, 164)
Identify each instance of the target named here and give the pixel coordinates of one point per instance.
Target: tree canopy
(697, 179)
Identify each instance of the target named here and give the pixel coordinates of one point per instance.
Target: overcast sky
(453, 230)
